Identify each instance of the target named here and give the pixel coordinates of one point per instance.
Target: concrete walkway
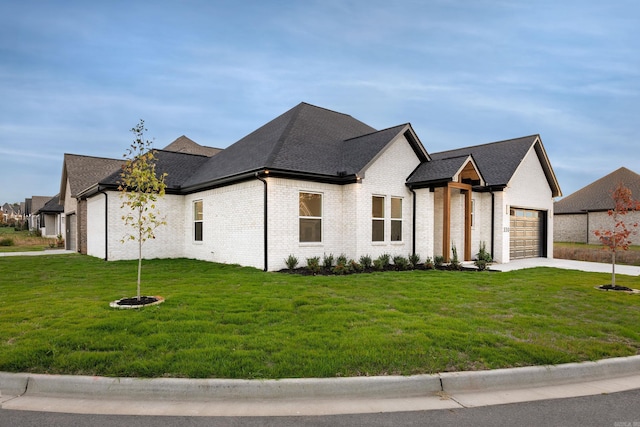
(593, 267)
(37, 253)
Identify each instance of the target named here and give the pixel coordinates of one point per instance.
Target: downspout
(106, 224)
(413, 231)
(493, 221)
(266, 235)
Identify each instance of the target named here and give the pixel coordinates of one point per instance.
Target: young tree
(140, 187)
(618, 235)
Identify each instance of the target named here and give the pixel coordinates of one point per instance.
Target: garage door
(71, 232)
(527, 233)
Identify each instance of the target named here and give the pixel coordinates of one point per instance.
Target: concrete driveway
(592, 267)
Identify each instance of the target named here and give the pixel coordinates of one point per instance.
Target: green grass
(222, 321)
(23, 241)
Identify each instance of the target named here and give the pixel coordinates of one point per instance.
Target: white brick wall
(528, 189)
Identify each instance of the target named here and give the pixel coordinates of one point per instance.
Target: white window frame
(400, 220)
(321, 218)
(379, 219)
(196, 221)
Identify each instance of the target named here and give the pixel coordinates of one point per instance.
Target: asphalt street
(609, 410)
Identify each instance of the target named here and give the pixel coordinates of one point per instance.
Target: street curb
(539, 376)
(182, 389)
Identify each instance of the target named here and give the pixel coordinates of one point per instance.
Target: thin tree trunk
(139, 251)
(613, 267)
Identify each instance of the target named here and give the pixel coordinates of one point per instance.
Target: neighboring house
(34, 220)
(78, 174)
(50, 214)
(579, 214)
(314, 181)
(186, 145)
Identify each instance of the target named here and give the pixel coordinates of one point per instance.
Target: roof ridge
(91, 157)
(490, 143)
(376, 131)
(297, 110)
(180, 152)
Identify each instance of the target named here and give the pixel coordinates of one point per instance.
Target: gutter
(106, 223)
(266, 235)
(493, 220)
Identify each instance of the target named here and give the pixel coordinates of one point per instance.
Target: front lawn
(221, 321)
(22, 241)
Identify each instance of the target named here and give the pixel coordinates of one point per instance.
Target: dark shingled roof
(497, 161)
(597, 195)
(178, 166)
(306, 139)
(186, 145)
(438, 170)
(85, 171)
(52, 206)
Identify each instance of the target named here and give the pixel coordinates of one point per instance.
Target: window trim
(381, 219)
(198, 221)
(320, 218)
(400, 220)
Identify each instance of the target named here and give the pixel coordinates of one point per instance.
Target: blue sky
(75, 76)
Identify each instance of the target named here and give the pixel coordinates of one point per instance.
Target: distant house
(314, 181)
(51, 224)
(34, 220)
(78, 174)
(579, 214)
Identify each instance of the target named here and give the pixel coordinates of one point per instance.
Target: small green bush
(428, 264)
(438, 260)
(400, 262)
(483, 258)
(313, 264)
(354, 266)
(7, 242)
(365, 261)
(455, 262)
(378, 264)
(385, 259)
(414, 260)
(291, 262)
(342, 259)
(340, 269)
(327, 261)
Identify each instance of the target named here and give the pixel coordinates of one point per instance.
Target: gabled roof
(185, 145)
(498, 161)
(84, 171)
(52, 206)
(178, 167)
(37, 202)
(597, 195)
(440, 171)
(304, 141)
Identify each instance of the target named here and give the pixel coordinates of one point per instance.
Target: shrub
(327, 260)
(365, 261)
(313, 264)
(6, 242)
(340, 269)
(291, 262)
(385, 259)
(354, 266)
(400, 262)
(414, 260)
(428, 264)
(483, 258)
(438, 260)
(342, 259)
(455, 262)
(378, 265)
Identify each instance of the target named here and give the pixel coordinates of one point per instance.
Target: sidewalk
(37, 253)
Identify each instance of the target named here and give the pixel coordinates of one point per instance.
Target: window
(310, 217)
(377, 219)
(396, 219)
(473, 211)
(197, 220)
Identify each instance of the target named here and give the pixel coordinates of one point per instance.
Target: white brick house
(314, 181)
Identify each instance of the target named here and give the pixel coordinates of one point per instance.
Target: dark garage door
(528, 229)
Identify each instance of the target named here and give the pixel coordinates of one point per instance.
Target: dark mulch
(144, 300)
(614, 288)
